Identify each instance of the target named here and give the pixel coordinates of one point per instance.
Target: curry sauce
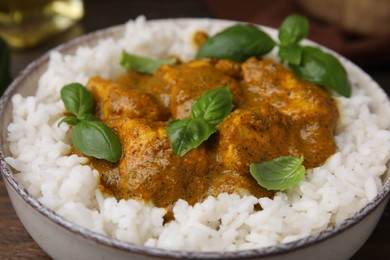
(274, 114)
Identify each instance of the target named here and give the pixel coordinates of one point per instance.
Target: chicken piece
(236, 182)
(254, 135)
(267, 80)
(149, 169)
(199, 38)
(151, 84)
(311, 109)
(191, 80)
(114, 101)
(230, 68)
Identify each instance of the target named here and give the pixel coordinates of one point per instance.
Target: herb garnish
(143, 64)
(293, 29)
(207, 112)
(238, 43)
(308, 62)
(90, 136)
(281, 173)
(241, 41)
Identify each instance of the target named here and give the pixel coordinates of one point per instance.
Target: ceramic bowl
(62, 239)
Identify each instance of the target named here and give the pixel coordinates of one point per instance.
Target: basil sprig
(213, 106)
(187, 134)
(293, 29)
(238, 42)
(143, 64)
(322, 69)
(77, 100)
(5, 76)
(207, 112)
(90, 136)
(307, 62)
(281, 173)
(241, 41)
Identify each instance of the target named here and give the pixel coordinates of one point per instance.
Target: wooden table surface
(15, 242)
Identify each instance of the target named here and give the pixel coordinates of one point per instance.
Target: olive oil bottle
(25, 23)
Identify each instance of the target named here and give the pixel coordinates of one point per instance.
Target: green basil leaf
(71, 120)
(237, 42)
(213, 106)
(87, 117)
(187, 134)
(281, 173)
(293, 29)
(143, 64)
(323, 69)
(291, 53)
(94, 138)
(77, 99)
(208, 111)
(5, 75)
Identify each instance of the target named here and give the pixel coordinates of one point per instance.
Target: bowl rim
(162, 253)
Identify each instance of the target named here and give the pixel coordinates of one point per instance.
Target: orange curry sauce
(274, 114)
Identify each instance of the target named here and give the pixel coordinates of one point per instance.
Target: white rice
(329, 194)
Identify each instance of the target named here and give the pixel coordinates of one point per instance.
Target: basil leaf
(90, 137)
(278, 174)
(323, 69)
(71, 120)
(213, 106)
(143, 64)
(291, 53)
(293, 29)
(87, 117)
(77, 99)
(187, 134)
(94, 138)
(5, 76)
(208, 111)
(237, 42)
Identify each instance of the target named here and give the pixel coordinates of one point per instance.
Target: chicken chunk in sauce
(149, 169)
(313, 114)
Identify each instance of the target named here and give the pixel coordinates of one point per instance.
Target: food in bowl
(254, 131)
(67, 184)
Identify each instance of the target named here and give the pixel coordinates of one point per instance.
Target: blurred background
(357, 29)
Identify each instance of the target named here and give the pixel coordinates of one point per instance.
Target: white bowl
(62, 239)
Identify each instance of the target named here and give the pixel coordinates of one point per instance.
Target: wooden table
(15, 242)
